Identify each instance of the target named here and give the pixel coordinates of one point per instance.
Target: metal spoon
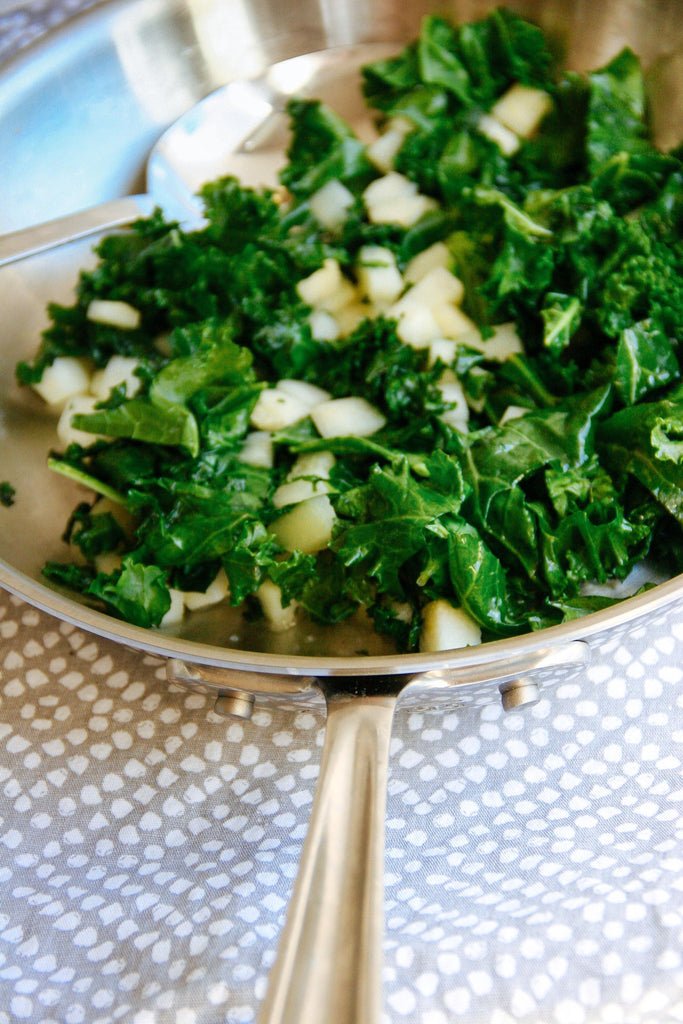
(196, 148)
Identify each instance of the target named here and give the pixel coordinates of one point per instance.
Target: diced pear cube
(115, 313)
(257, 449)
(326, 288)
(279, 617)
(176, 612)
(351, 316)
(304, 392)
(404, 210)
(446, 628)
(436, 255)
(383, 150)
(308, 477)
(444, 349)
(324, 326)
(453, 323)
(378, 276)
(388, 188)
(312, 464)
(394, 199)
(503, 343)
(67, 434)
(216, 592)
(417, 326)
(307, 526)
(275, 410)
(452, 392)
(347, 417)
(331, 203)
(507, 141)
(522, 108)
(513, 412)
(438, 287)
(65, 377)
(119, 370)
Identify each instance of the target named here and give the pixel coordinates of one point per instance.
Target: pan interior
(31, 531)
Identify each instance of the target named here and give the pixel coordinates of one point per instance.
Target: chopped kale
(569, 470)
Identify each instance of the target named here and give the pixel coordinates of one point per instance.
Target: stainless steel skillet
(78, 114)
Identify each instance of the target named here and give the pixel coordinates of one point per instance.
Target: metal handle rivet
(519, 692)
(235, 704)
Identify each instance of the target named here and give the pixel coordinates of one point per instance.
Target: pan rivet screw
(519, 692)
(234, 703)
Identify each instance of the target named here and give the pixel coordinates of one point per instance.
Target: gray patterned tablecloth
(534, 867)
(148, 846)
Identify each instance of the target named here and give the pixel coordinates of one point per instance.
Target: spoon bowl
(239, 129)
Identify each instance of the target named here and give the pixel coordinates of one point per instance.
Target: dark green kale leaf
(7, 493)
(138, 593)
(384, 523)
(323, 147)
(93, 532)
(645, 361)
(646, 441)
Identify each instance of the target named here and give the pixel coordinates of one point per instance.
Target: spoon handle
(50, 234)
(328, 966)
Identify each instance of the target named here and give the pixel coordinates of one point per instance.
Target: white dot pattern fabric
(148, 846)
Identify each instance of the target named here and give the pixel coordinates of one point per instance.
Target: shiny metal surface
(79, 114)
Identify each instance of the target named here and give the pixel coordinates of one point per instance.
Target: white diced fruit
(436, 255)
(394, 199)
(275, 410)
(307, 526)
(331, 203)
(308, 477)
(405, 210)
(279, 617)
(453, 323)
(68, 434)
(443, 349)
(507, 141)
(65, 377)
(304, 392)
(351, 316)
(522, 108)
(438, 287)
(388, 188)
(347, 417)
(257, 449)
(513, 412)
(416, 324)
(445, 627)
(503, 343)
(216, 592)
(382, 151)
(452, 392)
(326, 288)
(378, 276)
(115, 313)
(324, 326)
(176, 612)
(119, 370)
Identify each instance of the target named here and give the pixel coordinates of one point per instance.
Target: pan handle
(328, 966)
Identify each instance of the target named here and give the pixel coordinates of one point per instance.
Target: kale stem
(536, 388)
(81, 477)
